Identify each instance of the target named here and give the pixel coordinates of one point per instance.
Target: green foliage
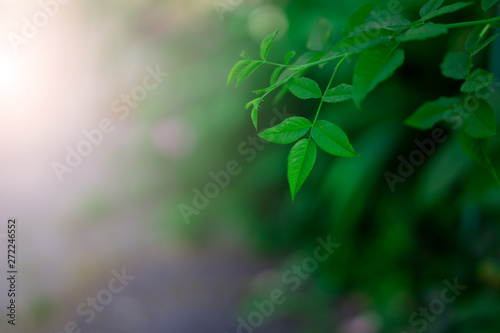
(377, 45)
(265, 46)
(484, 44)
(430, 7)
(275, 75)
(480, 123)
(290, 130)
(455, 65)
(289, 56)
(304, 88)
(487, 4)
(300, 163)
(477, 80)
(374, 66)
(358, 17)
(341, 93)
(477, 149)
(237, 69)
(422, 32)
(445, 10)
(430, 113)
(332, 139)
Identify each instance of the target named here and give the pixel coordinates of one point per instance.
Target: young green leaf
(237, 69)
(260, 91)
(254, 116)
(484, 44)
(455, 65)
(446, 10)
(247, 71)
(430, 7)
(265, 46)
(320, 35)
(245, 55)
(305, 58)
(300, 163)
(473, 39)
(255, 109)
(289, 56)
(358, 17)
(290, 130)
(478, 80)
(304, 88)
(424, 31)
(340, 93)
(274, 76)
(332, 139)
(374, 66)
(432, 112)
(480, 123)
(487, 4)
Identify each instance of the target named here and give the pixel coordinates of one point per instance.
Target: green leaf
(361, 40)
(455, 65)
(432, 112)
(290, 130)
(332, 139)
(301, 60)
(396, 21)
(260, 91)
(289, 56)
(358, 17)
(485, 44)
(254, 116)
(247, 71)
(480, 122)
(476, 148)
(424, 31)
(430, 7)
(265, 46)
(473, 39)
(478, 80)
(340, 93)
(304, 88)
(237, 69)
(374, 66)
(255, 109)
(300, 163)
(320, 36)
(446, 10)
(487, 4)
(274, 76)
